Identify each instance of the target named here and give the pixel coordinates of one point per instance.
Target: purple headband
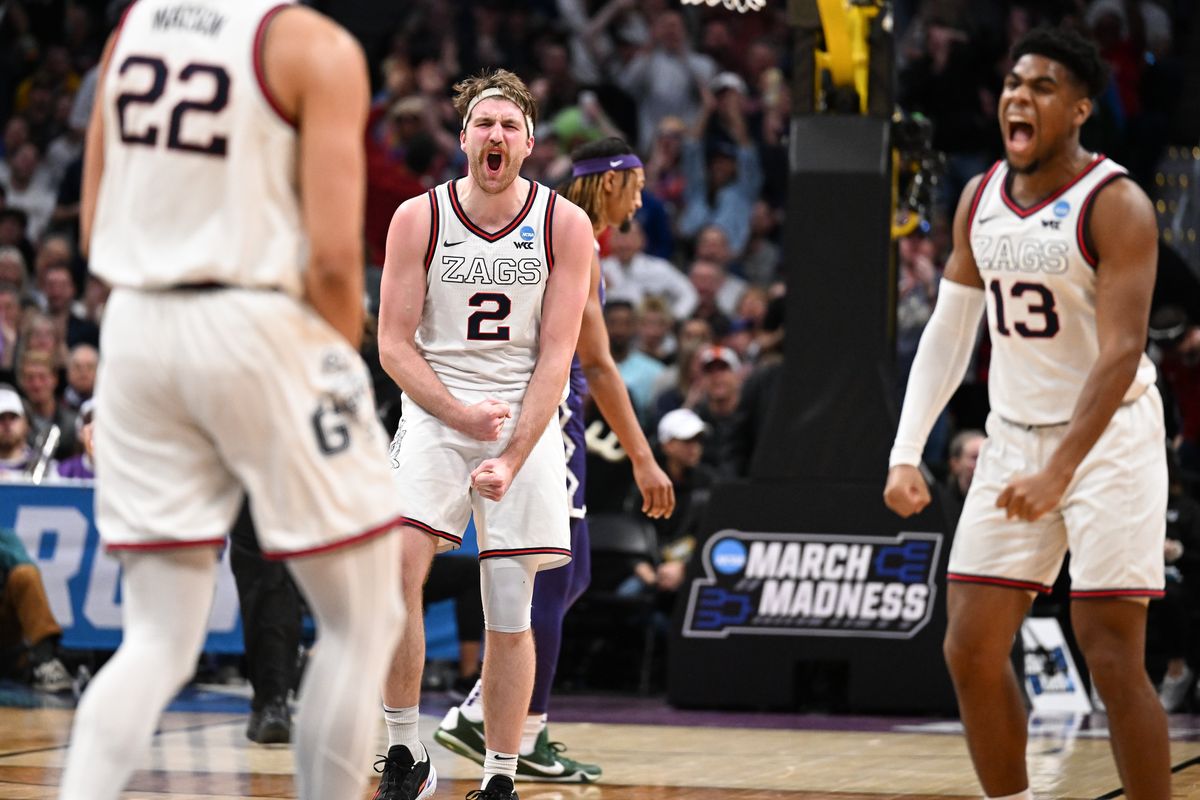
(591, 166)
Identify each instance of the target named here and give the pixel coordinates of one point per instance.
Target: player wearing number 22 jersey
(222, 201)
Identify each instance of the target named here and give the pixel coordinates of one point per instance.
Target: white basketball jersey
(199, 181)
(1039, 275)
(483, 296)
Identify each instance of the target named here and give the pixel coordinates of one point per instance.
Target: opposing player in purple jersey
(606, 182)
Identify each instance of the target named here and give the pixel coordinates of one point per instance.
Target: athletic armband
(938, 368)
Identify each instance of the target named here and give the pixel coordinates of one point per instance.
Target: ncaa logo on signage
(729, 556)
(527, 233)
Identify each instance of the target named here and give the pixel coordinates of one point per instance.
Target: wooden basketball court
(663, 754)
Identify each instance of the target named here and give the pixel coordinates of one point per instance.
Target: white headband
(495, 91)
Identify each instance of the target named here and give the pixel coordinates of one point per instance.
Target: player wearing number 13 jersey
(223, 201)
(1061, 248)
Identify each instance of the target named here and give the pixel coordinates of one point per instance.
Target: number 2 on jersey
(1047, 330)
(216, 146)
(475, 331)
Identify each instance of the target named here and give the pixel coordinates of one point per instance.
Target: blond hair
(509, 85)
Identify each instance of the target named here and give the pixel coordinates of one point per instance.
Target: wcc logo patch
(801, 584)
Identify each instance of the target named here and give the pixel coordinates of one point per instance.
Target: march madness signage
(809, 584)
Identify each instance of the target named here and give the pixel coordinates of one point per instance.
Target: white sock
(530, 731)
(472, 707)
(1022, 795)
(402, 729)
(495, 763)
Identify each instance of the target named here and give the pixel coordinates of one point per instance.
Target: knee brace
(506, 586)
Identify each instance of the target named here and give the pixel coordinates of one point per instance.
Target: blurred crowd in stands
(696, 285)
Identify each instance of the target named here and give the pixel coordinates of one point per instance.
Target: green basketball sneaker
(459, 734)
(547, 763)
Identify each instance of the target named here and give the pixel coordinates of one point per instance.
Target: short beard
(1028, 169)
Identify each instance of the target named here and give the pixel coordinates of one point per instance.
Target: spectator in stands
(964, 454)
(717, 291)
(638, 370)
(594, 40)
(632, 275)
(14, 223)
(10, 322)
(81, 375)
(29, 188)
(762, 257)
(29, 634)
(38, 380)
(57, 283)
(722, 184)
(680, 449)
(664, 169)
(40, 333)
(918, 282)
(679, 385)
(664, 75)
(16, 133)
(13, 271)
(655, 337)
(80, 466)
(721, 385)
(16, 455)
(950, 80)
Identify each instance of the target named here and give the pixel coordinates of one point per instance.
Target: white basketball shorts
(434, 464)
(202, 394)
(1112, 517)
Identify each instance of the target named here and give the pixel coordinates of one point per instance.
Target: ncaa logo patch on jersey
(1062, 208)
(527, 233)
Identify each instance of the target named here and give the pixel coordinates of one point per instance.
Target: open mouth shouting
(1020, 139)
(494, 162)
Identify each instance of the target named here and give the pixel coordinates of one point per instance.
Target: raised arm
(612, 398)
(1125, 235)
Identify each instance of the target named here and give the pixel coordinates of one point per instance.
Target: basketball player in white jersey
(223, 202)
(484, 285)
(606, 182)
(1061, 248)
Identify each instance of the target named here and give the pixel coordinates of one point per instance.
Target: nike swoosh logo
(557, 769)
(452, 244)
(506, 758)
(987, 219)
(617, 163)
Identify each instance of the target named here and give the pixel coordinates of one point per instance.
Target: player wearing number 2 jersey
(222, 200)
(1061, 248)
(484, 285)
